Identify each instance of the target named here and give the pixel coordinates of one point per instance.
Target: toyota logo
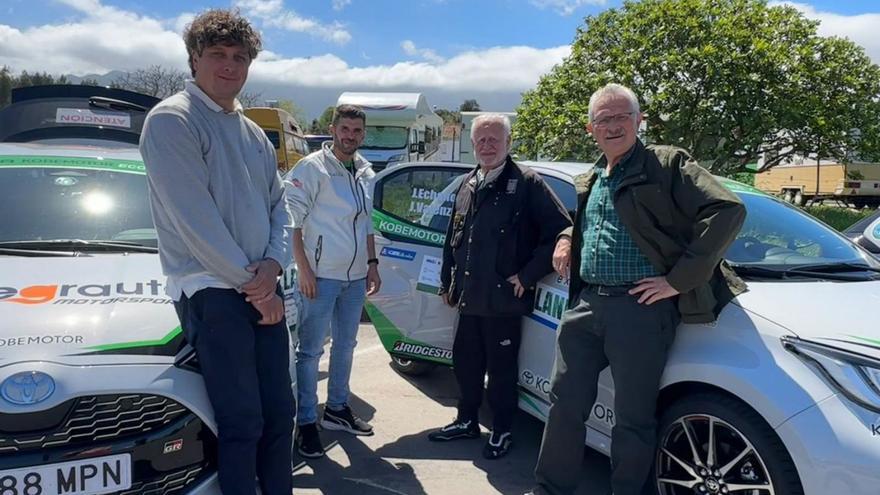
(27, 388)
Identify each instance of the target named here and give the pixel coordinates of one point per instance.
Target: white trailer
(401, 127)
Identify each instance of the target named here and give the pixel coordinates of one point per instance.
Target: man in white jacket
(327, 193)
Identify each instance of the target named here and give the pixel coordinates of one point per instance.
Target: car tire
(788, 196)
(799, 199)
(737, 427)
(411, 367)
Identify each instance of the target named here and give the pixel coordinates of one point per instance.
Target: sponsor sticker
(550, 303)
(429, 275)
(421, 350)
(120, 292)
(536, 382)
(81, 116)
(401, 254)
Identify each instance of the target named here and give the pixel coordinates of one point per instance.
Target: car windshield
(89, 201)
(779, 235)
(385, 138)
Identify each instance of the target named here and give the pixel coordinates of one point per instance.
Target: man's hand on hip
(261, 288)
(562, 256)
(272, 310)
(446, 299)
(518, 289)
(653, 289)
(374, 282)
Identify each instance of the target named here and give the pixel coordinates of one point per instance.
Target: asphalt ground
(400, 460)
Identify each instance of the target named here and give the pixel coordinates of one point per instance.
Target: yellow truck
(283, 131)
(855, 183)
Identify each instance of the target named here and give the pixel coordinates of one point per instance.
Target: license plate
(84, 477)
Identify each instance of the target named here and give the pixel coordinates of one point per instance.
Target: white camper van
(401, 127)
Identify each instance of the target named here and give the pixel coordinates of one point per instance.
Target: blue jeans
(337, 307)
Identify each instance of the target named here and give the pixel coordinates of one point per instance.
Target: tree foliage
(155, 80)
(321, 125)
(449, 116)
(295, 110)
(726, 79)
(9, 81)
(470, 105)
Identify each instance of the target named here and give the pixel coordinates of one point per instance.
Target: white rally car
(781, 396)
(98, 391)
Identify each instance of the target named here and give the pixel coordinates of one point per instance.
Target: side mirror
(421, 147)
(872, 234)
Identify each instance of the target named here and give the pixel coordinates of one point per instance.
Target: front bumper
(158, 414)
(836, 448)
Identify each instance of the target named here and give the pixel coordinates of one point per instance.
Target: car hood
(841, 314)
(66, 309)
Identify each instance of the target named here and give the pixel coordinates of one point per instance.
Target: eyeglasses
(620, 118)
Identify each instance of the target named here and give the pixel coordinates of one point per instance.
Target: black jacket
(508, 227)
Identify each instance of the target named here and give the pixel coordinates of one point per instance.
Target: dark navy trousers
(246, 370)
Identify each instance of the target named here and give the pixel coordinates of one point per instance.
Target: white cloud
(565, 7)
(512, 68)
(859, 28)
(103, 39)
(273, 14)
(340, 4)
(410, 49)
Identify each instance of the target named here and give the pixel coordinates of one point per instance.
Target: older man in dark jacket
(645, 253)
(499, 244)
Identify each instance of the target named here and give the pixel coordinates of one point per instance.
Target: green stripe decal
(143, 343)
(389, 334)
(531, 403)
(866, 339)
(388, 224)
(40, 161)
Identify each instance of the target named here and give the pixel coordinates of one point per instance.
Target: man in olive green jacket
(645, 252)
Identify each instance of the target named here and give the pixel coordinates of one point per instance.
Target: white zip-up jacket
(334, 211)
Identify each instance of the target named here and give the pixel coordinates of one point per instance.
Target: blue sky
(449, 49)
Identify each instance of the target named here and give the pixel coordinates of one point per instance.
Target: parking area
(399, 459)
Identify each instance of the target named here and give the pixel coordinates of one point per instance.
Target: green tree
(726, 79)
(449, 116)
(470, 105)
(322, 124)
(293, 109)
(5, 86)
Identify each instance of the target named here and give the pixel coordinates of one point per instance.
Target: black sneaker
(308, 442)
(346, 421)
(498, 445)
(456, 430)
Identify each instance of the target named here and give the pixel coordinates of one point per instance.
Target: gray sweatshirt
(215, 193)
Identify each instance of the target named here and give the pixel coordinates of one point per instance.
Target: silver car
(780, 396)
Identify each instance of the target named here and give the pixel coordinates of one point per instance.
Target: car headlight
(855, 376)
(397, 158)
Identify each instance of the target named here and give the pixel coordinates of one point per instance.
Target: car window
(43, 203)
(420, 196)
(775, 233)
(564, 190)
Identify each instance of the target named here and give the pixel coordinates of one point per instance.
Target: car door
(412, 204)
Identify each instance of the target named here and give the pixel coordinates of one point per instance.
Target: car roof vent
(67, 111)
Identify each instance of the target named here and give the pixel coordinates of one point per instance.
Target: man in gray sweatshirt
(218, 205)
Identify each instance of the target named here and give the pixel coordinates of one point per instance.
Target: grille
(96, 418)
(174, 482)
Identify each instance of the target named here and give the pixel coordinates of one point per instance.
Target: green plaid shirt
(609, 255)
